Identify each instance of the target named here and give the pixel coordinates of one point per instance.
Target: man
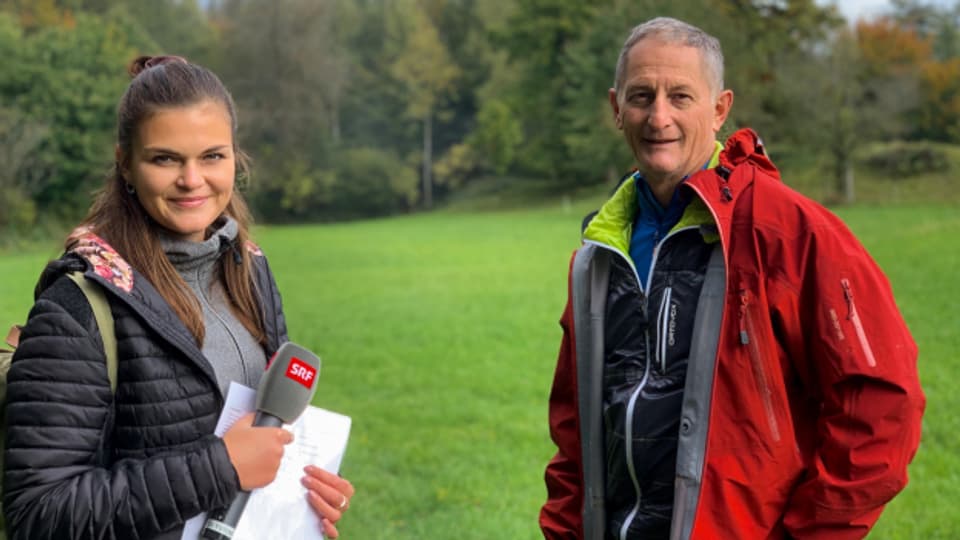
(733, 364)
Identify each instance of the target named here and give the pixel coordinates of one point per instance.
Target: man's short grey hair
(674, 32)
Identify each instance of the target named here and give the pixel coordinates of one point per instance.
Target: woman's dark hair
(168, 82)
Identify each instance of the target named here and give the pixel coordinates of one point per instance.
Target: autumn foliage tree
(938, 117)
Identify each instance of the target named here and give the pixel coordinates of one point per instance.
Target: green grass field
(439, 334)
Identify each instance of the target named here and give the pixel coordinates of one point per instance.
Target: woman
(195, 307)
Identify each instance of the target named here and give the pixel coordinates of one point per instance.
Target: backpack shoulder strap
(103, 315)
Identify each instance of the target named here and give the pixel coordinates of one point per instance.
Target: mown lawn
(439, 335)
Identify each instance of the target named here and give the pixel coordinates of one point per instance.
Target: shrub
(900, 161)
(371, 182)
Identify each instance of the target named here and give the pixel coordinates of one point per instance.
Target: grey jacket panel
(591, 270)
(696, 397)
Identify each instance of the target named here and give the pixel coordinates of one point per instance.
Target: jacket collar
(742, 160)
(103, 264)
(613, 224)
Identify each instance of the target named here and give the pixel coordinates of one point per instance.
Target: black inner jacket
(647, 345)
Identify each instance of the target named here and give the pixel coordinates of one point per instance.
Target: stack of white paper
(280, 510)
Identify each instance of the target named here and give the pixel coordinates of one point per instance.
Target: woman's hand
(255, 452)
(329, 495)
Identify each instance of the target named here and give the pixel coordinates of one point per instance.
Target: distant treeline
(354, 108)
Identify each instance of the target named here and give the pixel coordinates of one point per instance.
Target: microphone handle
(221, 526)
(265, 419)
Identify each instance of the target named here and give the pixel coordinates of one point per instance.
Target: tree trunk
(428, 160)
(849, 194)
(335, 122)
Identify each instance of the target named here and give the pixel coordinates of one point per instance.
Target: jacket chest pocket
(853, 317)
(756, 339)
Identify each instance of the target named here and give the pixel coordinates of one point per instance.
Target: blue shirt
(653, 221)
(651, 224)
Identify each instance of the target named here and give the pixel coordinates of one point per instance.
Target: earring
(129, 187)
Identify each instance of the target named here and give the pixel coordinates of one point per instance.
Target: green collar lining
(613, 224)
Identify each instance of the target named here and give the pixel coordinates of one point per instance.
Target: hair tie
(143, 63)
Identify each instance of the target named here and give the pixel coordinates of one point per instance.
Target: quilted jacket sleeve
(561, 515)
(57, 484)
(864, 363)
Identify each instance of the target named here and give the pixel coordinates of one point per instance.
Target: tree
(920, 18)
(284, 71)
(859, 87)
(427, 72)
(842, 132)
(37, 14)
(176, 26)
(19, 139)
(68, 77)
(536, 37)
(497, 136)
(288, 70)
(890, 48)
(938, 117)
(764, 42)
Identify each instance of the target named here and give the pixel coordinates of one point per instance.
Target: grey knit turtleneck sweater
(234, 354)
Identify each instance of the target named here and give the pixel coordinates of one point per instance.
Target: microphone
(285, 391)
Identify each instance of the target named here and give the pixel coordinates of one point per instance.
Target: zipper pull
(744, 337)
(848, 296)
(854, 319)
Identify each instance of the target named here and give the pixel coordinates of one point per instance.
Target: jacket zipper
(663, 328)
(854, 319)
(747, 329)
(628, 441)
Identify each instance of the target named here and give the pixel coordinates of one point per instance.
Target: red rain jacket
(812, 423)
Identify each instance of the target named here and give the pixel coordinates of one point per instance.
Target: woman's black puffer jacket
(83, 462)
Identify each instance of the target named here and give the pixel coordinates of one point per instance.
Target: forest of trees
(355, 108)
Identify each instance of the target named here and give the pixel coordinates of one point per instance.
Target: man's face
(667, 110)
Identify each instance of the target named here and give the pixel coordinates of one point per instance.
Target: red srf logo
(301, 372)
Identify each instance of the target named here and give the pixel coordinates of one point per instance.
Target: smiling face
(182, 167)
(667, 111)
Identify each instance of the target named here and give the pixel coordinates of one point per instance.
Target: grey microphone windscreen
(289, 383)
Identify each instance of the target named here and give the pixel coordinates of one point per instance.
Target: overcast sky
(854, 9)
